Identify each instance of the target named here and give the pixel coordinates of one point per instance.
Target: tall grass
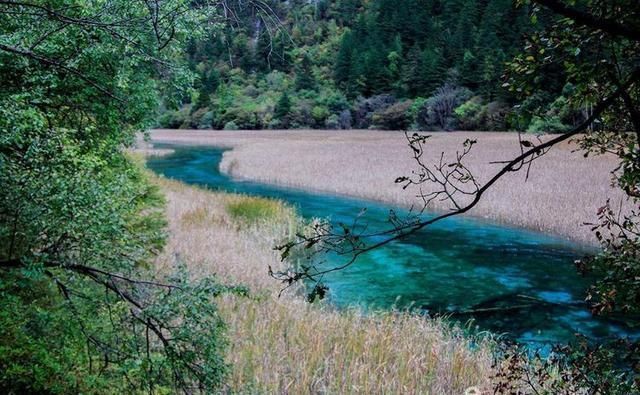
(252, 209)
(366, 163)
(285, 345)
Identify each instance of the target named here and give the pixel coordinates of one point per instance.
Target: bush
(395, 117)
(335, 101)
(206, 122)
(437, 112)
(274, 124)
(531, 105)
(496, 115)
(282, 108)
(230, 126)
(474, 115)
(55, 325)
(540, 114)
(566, 111)
(319, 114)
(345, 119)
(196, 118)
(363, 109)
(301, 114)
(333, 122)
(173, 119)
(166, 120)
(471, 114)
(414, 110)
(244, 118)
(547, 125)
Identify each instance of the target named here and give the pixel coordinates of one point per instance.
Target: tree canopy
(81, 309)
(362, 50)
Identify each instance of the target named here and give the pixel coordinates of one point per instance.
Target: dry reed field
(286, 345)
(366, 163)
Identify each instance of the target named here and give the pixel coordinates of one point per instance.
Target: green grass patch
(254, 209)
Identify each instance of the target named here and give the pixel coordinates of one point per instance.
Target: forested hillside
(419, 64)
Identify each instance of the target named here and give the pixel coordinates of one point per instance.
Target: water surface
(522, 284)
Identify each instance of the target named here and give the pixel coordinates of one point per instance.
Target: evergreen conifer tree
(209, 81)
(411, 74)
(282, 108)
(394, 65)
(343, 63)
(432, 71)
(464, 35)
(304, 74)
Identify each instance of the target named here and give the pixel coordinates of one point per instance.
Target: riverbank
(564, 189)
(285, 345)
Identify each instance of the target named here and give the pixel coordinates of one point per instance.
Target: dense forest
(408, 64)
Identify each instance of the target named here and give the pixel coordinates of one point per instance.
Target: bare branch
(353, 244)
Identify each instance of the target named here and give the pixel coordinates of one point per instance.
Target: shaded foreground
(285, 345)
(563, 192)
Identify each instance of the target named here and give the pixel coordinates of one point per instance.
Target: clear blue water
(455, 265)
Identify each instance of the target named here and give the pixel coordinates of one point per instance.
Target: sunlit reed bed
(285, 345)
(366, 163)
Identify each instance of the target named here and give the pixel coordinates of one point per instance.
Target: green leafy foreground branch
(81, 309)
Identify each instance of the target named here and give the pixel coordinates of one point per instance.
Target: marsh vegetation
(366, 163)
(284, 344)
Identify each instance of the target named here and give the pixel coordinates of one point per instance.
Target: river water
(522, 284)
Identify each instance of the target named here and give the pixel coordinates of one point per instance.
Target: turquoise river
(519, 284)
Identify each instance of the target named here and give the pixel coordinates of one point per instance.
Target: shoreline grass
(254, 209)
(285, 345)
(365, 164)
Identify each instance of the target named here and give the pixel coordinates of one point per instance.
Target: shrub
(55, 325)
(394, 117)
(471, 114)
(547, 125)
(566, 111)
(276, 81)
(531, 105)
(496, 115)
(437, 111)
(282, 108)
(475, 115)
(335, 101)
(333, 122)
(173, 119)
(319, 114)
(166, 120)
(363, 109)
(243, 117)
(206, 122)
(413, 111)
(230, 126)
(195, 119)
(301, 114)
(251, 91)
(345, 119)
